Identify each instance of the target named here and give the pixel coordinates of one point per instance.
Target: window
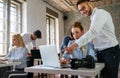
(50, 30)
(10, 23)
(2, 28)
(15, 19)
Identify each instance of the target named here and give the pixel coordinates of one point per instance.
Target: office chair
(18, 75)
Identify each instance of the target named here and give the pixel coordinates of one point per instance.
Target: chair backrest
(36, 54)
(18, 75)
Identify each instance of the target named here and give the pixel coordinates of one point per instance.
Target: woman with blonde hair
(18, 53)
(20, 39)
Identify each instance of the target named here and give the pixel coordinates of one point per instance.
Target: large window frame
(11, 23)
(50, 32)
(52, 21)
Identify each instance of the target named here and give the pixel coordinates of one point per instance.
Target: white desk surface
(9, 64)
(67, 71)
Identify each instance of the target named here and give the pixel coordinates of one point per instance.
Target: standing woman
(102, 32)
(18, 53)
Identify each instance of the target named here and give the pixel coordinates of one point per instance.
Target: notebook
(49, 56)
(36, 54)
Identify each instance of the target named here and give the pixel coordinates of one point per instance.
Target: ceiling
(69, 5)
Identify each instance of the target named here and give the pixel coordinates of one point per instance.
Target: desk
(4, 66)
(9, 64)
(67, 71)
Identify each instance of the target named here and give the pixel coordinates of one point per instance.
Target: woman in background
(65, 41)
(77, 31)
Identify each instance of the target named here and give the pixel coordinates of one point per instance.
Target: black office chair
(18, 75)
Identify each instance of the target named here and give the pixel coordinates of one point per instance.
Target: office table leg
(50, 75)
(74, 76)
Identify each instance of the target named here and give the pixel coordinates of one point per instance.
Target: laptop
(49, 56)
(36, 54)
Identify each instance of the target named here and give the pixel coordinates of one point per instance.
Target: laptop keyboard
(65, 65)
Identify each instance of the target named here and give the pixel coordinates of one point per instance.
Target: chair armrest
(17, 75)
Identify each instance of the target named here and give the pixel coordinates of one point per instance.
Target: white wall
(24, 19)
(36, 19)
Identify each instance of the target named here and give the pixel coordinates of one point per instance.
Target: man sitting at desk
(18, 53)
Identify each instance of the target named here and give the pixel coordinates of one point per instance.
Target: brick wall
(113, 9)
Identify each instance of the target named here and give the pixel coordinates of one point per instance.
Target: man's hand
(71, 48)
(29, 54)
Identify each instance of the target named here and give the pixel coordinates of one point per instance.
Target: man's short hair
(37, 33)
(81, 1)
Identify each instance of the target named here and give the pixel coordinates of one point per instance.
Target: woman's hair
(81, 1)
(78, 25)
(20, 40)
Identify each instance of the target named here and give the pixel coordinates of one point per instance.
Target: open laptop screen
(49, 55)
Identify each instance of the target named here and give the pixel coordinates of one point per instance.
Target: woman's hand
(63, 61)
(3, 60)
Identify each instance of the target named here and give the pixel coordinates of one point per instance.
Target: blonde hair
(20, 40)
